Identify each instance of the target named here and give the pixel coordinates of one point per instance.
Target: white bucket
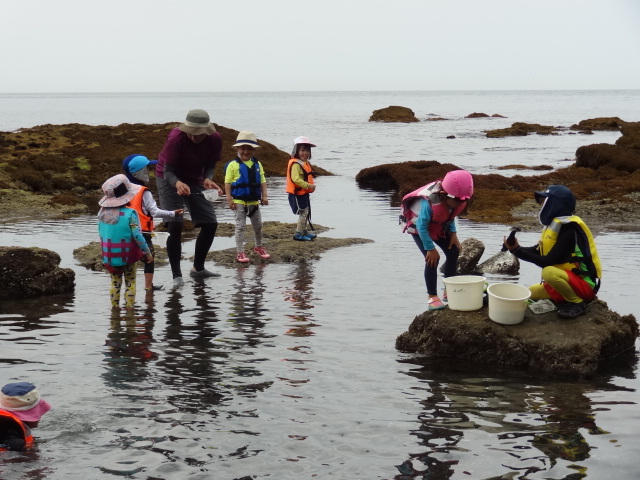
(211, 195)
(465, 292)
(160, 238)
(507, 302)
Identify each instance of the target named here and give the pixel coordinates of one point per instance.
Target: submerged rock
(278, 238)
(542, 343)
(31, 272)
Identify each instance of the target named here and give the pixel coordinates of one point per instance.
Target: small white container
(160, 238)
(464, 292)
(507, 302)
(211, 194)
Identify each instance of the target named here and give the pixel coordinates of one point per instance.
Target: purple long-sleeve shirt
(186, 161)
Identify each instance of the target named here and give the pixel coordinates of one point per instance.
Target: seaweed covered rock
(520, 129)
(542, 344)
(69, 162)
(30, 272)
(393, 113)
(623, 156)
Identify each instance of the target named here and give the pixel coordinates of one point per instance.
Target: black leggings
(203, 244)
(450, 264)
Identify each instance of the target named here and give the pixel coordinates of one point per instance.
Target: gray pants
(241, 225)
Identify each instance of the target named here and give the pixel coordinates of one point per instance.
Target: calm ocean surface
(290, 371)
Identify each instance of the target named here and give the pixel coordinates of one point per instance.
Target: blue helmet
(559, 201)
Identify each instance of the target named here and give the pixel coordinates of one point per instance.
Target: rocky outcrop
(31, 272)
(624, 156)
(606, 199)
(542, 344)
(394, 113)
(520, 129)
(68, 163)
(472, 250)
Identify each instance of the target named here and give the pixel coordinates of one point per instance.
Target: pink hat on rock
(23, 400)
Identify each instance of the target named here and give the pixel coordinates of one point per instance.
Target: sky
(318, 45)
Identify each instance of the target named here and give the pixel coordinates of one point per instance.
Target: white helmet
(303, 140)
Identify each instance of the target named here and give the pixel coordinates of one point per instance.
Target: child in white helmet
(299, 185)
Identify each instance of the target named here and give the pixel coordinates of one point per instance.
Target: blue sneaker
(311, 235)
(301, 237)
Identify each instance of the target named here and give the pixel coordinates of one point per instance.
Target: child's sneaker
(435, 303)
(301, 237)
(311, 235)
(242, 257)
(261, 251)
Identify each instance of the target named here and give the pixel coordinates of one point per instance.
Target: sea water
(290, 371)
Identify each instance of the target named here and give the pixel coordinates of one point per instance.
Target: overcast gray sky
(306, 45)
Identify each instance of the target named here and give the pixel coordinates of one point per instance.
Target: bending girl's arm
(422, 225)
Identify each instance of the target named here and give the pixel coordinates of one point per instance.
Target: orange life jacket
(307, 173)
(146, 221)
(14, 434)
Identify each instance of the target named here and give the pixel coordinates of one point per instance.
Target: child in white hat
(246, 189)
(121, 238)
(299, 185)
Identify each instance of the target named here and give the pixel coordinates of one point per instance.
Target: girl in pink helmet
(428, 214)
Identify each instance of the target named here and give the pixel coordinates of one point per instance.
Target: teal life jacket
(119, 248)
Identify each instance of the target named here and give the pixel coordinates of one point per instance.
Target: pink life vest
(441, 213)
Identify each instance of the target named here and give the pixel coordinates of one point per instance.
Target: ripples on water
(290, 371)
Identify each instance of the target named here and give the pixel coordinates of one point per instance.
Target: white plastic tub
(507, 302)
(465, 292)
(160, 238)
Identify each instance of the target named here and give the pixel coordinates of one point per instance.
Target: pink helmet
(459, 184)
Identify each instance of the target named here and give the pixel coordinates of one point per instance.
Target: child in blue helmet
(566, 252)
(135, 168)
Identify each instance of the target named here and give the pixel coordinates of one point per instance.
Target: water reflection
(524, 428)
(300, 294)
(128, 347)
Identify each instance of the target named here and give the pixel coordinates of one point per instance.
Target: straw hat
(197, 123)
(246, 138)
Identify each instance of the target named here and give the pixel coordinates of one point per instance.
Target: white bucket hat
(197, 123)
(246, 138)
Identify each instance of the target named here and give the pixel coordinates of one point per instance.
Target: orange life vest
(146, 221)
(14, 434)
(307, 173)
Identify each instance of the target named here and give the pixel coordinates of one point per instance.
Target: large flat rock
(542, 343)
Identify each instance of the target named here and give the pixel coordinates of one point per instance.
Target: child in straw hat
(246, 189)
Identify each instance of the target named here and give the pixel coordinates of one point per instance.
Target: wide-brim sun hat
(197, 123)
(135, 163)
(303, 141)
(118, 191)
(246, 138)
(23, 400)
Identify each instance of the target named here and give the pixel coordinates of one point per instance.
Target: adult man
(184, 170)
